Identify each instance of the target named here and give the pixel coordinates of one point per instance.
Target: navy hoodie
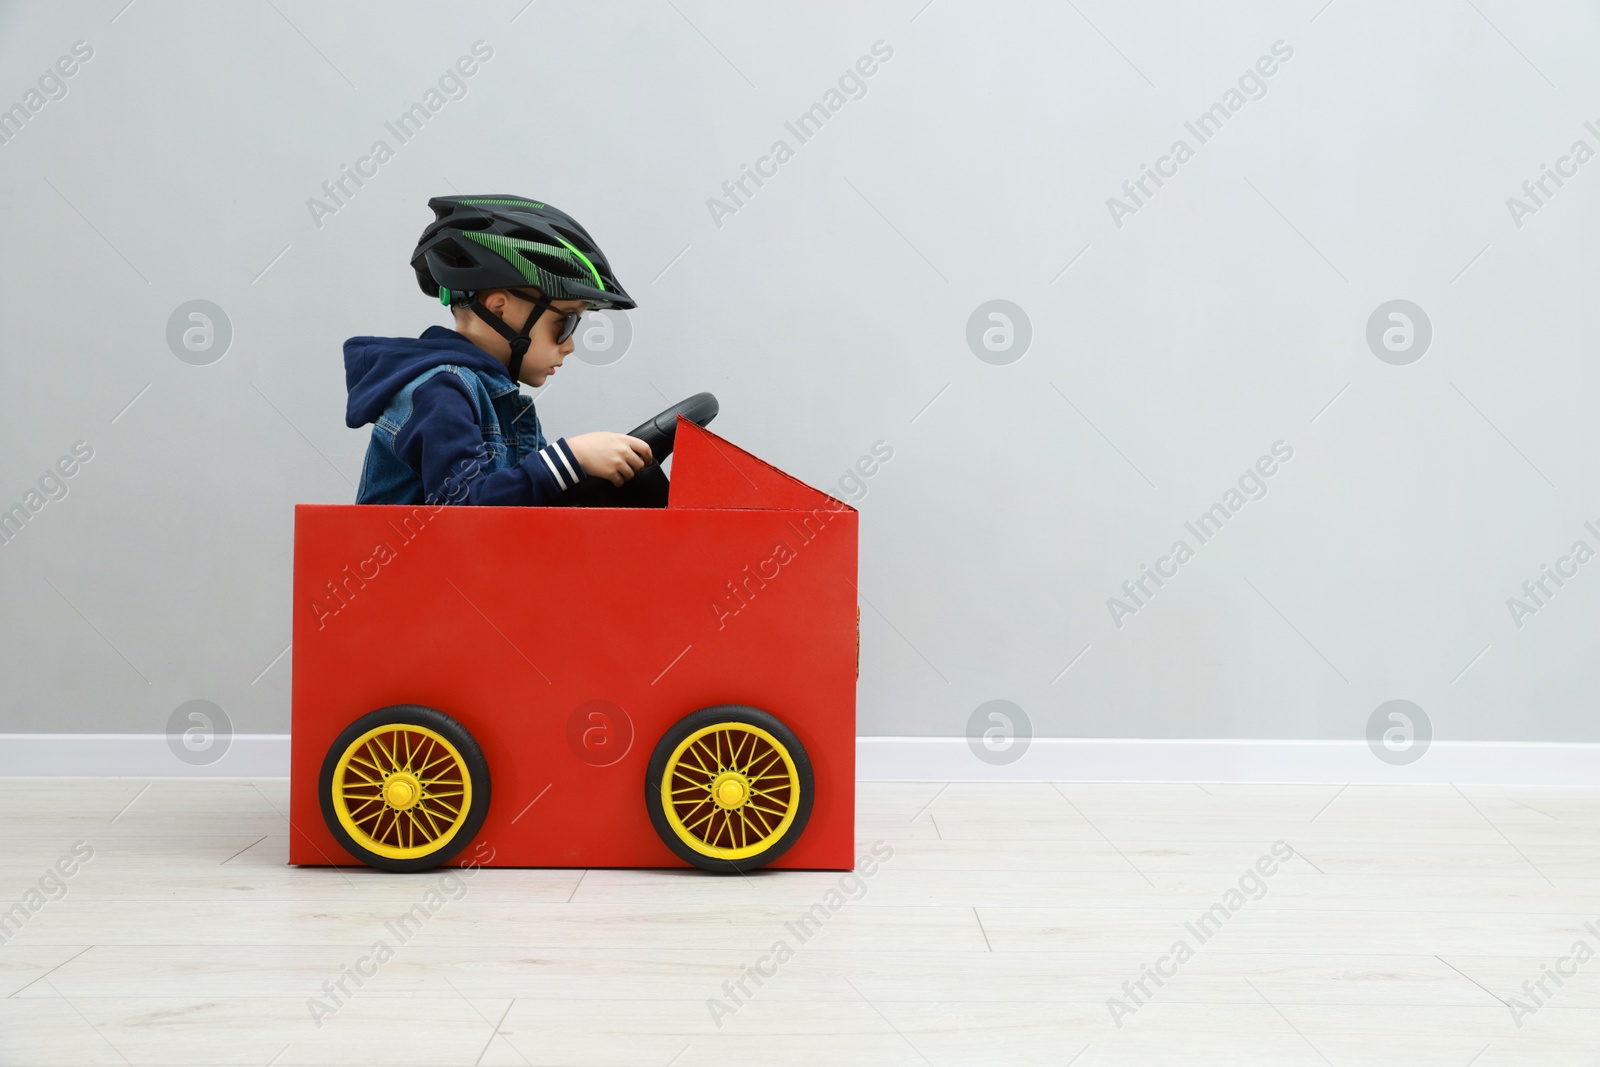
(448, 425)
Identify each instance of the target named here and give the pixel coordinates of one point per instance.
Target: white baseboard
(950, 759)
(137, 756)
(933, 759)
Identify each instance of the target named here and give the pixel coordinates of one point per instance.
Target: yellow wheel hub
(730, 790)
(401, 791)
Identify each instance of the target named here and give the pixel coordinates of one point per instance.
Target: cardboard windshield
(711, 472)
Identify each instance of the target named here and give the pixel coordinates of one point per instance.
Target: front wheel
(404, 788)
(729, 788)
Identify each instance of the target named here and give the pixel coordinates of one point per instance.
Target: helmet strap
(518, 339)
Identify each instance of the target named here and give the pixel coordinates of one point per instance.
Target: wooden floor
(999, 926)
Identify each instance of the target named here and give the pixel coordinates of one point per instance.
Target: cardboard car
(580, 687)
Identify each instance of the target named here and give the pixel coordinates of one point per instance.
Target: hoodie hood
(376, 368)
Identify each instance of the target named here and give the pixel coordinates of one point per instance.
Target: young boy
(449, 424)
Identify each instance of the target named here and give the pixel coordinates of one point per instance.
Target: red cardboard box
(567, 641)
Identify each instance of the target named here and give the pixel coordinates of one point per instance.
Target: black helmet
(505, 242)
(510, 242)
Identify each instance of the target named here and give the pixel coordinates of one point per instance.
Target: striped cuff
(562, 463)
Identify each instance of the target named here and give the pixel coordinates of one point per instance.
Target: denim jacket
(448, 426)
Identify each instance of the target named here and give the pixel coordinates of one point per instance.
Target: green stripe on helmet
(514, 203)
(598, 283)
(509, 247)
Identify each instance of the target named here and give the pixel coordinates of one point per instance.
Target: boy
(449, 422)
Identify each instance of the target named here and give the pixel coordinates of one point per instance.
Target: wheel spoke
(453, 809)
(354, 769)
(687, 809)
(452, 775)
(757, 818)
(433, 824)
(357, 757)
(422, 814)
(705, 752)
(448, 819)
(358, 816)
(442, 757)
(772, 758)
(768, 811)
(757, 813)
(376, 830)
(745, 750)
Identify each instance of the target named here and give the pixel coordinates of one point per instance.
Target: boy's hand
(612, 456)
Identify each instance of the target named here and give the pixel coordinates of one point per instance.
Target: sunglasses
(541, 304)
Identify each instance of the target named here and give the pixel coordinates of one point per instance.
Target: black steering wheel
(659, 432)
(648, 486)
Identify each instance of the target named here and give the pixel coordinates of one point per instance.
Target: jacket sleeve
(442, 442)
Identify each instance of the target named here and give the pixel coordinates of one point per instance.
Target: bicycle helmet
(477, 243)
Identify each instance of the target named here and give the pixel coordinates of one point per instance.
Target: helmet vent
(452, 255)
(557, 265)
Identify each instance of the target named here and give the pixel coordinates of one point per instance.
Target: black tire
(682, 729)
(474, 767)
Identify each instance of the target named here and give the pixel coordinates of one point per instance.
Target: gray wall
(1226, 312)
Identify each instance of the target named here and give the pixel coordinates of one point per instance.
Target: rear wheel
(729, 788)
(404, 788)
